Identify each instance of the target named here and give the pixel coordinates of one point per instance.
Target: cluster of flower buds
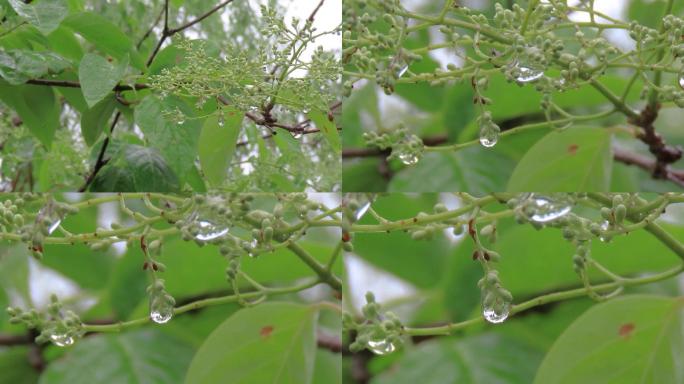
(161, 303)
(379, 333)
(406, 147)
(56, 325)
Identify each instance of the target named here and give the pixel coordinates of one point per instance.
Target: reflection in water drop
(408, 158)
(496, 314)
(61, 339)
(209, 231)
(527, 74)
(546, 209)
(489, 138)
(381, 346)
(160, 311)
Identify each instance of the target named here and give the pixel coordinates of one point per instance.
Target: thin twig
(76, 84)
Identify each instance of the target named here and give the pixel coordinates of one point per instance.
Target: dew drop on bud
(524, 74)
(209, 231)
(363, 204)
(381, 346)
(489, 138)
(545, 209)
(496, 314)
(61, 339)
(402, 70)
(160, 311)
(408, 158)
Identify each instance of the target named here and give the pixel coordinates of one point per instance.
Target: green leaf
(328, 127)
(98, 77)
(37, 107)
(64, 42)
(44, 14)
(268, 343)
(17, 65)
(103, 34)
(472, 169)
(487, 358)
(217, 145)
(131, 357)
(15, 367)
(134, 168)
(127, 284)
(177, 143)
(95, 119)
(633, 339)
(575, 159)
(423, 262)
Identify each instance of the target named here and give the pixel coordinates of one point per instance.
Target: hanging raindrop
(408, 158)
(221, 121)
(681, 81)
(489, 137)
(161, 311)
(297, 134)
(544, 209)
(381, 346)
(527, 74)
(209, 231)
(497, 313)
(363, 204)
(61, 339)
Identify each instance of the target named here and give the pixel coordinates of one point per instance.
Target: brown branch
(100, 162)
(649, 165)
(315, 11)
(12, 340)
(664, 154)
(200, 18)
(76, 84)
(329, 342)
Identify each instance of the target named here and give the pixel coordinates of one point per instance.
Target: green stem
(117, 327)
(325, 275)
(658, 75)
(545, 299)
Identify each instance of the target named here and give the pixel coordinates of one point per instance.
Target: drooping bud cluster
(406, 147)
(354, 207)
(496, 300)
(56, 325)
(161, 303)
(379, 333)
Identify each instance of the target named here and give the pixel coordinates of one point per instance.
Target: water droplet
(546, 209)
(381, 346)
(489, 137)
(364, 203)
(527, 74)
(402, 70)
(54, 225)
(221, 121)
(408, 158)
(61, 339)
(306, 110)
(681, 81)
(50, 219)
(209, 231)
(605, 225)
(363, 208)
(161, 312)
(252, 248)
(297, 134)
(498, 313)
